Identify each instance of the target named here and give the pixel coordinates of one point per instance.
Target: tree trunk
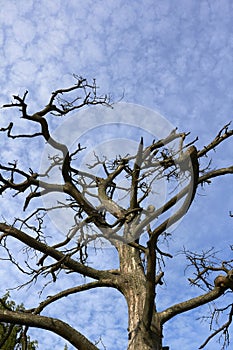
(133, 287)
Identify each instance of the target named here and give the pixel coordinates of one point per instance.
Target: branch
(190, 304)
(135, 177)
(216, 173)
(150, 286)
(9, 128)
(175, 199)
(223, 134)
(55, 254)
(69, 291)
(51, 324)
(61, 107)
(105, 200)
(224, 328)
(189, 156)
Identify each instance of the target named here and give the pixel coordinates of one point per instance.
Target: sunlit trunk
(133, 286)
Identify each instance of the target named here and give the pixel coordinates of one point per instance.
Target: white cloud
(24, 31)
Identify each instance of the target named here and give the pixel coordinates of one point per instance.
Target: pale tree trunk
(133, 287)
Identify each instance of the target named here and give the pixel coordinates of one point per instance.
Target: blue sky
(171, 56)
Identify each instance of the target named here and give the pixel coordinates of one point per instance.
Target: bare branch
(223, 134)
(215, 173)
(70, 291)
(9, 128)
(189, 304)
(223, 329)
(57, 255)
(52, 324)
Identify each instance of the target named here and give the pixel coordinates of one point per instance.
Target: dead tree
(134, 229)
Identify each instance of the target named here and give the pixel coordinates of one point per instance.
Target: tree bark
(133, 287)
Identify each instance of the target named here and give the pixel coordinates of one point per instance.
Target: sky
(174, 57)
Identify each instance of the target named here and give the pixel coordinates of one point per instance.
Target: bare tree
(134, 229)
